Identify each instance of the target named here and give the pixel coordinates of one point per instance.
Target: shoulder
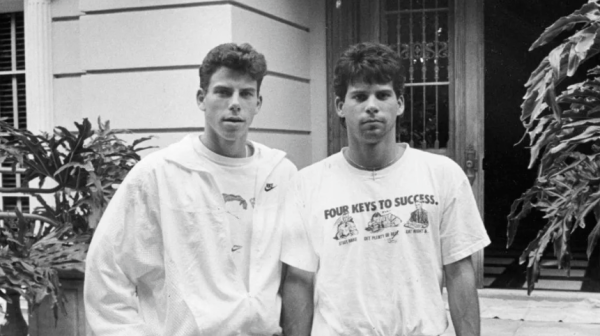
(310, 178)
(319, 167)
(437, 163)
(285, 165)
(276, 157)
(148, 166)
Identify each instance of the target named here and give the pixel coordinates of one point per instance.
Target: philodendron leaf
(584, 40)
(580, 96)
(533, 103)
(541, 126)
(18, 154)
(548, 136)
(538, 74)
(594, 71)
(574, 60)
(555, 59)
(562, 24)
(140, 140)
(591, 10)
(87, 166)
(593, 239)
(551, 101)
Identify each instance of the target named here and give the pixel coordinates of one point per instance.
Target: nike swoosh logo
(269, 187)
(235, 248)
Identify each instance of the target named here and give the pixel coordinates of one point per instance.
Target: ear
(259, 103)
(200, 95)
(400, 106)
(339, 104)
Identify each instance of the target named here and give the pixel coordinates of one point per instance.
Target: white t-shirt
(378, 242)
(236, 178)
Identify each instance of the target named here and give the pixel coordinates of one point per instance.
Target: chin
(234, 135)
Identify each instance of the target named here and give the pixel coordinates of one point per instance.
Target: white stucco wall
(135, 63)
(7, 6)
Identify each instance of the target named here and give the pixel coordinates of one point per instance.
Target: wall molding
(200, 4)
(201, 129)
(66, 18)
(166, 68)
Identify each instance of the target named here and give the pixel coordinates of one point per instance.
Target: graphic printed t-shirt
(378, 243)
(236, 178)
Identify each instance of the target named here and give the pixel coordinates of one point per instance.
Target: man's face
(229, 104)
(370, 111)
(418, 205)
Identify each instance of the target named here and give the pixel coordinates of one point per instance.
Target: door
(441, 46)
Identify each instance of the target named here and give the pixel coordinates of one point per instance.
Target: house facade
(135, 63)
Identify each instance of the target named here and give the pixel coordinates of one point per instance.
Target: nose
(234, 102)
(372, 105)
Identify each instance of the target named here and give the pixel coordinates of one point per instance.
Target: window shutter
(12, 96)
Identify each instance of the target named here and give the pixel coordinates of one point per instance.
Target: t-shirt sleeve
(297, 248)
(462, 231)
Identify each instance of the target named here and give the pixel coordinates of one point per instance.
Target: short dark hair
(242, 58)
(372, 63)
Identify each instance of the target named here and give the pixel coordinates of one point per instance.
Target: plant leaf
(593, 239)
(562, 24)
(87, 166)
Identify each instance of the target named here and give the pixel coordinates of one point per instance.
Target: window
(12, 97)
(419, 31)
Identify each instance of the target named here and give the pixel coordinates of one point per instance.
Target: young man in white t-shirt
(370, 232)
(190, 243)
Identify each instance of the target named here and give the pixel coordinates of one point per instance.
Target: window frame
(13, 74)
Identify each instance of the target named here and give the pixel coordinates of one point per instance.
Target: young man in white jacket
(190, 243)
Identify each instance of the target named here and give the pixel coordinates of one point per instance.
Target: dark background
(511, 27)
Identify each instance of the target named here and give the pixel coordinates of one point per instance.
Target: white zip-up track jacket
(160, 261)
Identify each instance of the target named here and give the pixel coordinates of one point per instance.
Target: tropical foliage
(81, 171)
(564, 135)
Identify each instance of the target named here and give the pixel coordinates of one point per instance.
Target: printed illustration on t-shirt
(236, 198)
(418, 218)
(379, 222)
(345, 227)
(237, 210)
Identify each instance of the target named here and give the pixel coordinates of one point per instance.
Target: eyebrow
(364, 91)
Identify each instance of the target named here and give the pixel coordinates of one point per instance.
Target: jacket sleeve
(126, 249)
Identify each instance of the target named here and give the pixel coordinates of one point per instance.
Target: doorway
(441, 45)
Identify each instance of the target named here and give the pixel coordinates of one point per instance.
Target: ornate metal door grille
(419, 31)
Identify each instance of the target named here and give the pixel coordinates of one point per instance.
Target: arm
(462, 297)
(297, 297)
(125, 247)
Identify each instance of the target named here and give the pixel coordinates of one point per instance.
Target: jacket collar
(183, 154)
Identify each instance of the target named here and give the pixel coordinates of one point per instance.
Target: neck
(373, 156)
(233, 149)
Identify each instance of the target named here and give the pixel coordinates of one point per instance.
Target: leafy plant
(83, 169)
(564, 134)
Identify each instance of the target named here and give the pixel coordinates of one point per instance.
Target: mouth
(371, 121)
(233, 120)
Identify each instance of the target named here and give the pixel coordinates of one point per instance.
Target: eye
(383, 95)
(247, 94)
(221, 92)
(360, 97)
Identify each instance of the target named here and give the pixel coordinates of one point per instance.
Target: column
(38, 65)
